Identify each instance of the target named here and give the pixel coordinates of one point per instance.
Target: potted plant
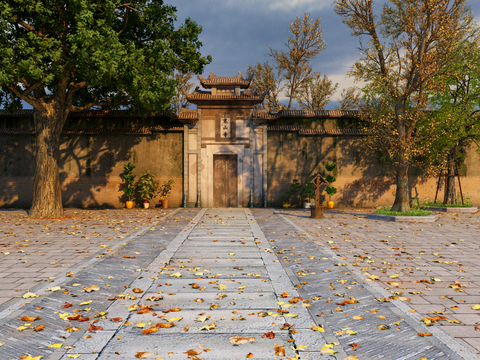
(330, 190)
(294, 186)
(147, 187)
(164, 191)
(129, 178)
(308, 192)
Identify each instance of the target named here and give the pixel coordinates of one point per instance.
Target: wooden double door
(225, 181)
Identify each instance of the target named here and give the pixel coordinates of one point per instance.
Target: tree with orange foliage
(407, 48)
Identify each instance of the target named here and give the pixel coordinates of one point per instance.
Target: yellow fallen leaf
(55, 288)
(141, 324)
(357, 317)
(142, 355)
(86, 302)
(176, 274)
(73, 356)
(91, 288)
(476, 307)
(55, 346)
(29, 295)
(317, 328)
(175, 319)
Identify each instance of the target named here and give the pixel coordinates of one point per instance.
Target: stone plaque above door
(225, 128)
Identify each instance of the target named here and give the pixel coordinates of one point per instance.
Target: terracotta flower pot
(129, 204)
(164, 204)
(330, 204)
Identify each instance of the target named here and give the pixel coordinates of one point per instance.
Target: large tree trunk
(451, 193)
(402, 200)
(47, 193)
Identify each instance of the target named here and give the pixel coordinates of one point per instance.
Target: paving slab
(294, 292)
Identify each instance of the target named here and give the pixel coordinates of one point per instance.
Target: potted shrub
(308, 193)
(129, 178)
(287, 198)
(164, 191)
(330, 190)
(147, 187)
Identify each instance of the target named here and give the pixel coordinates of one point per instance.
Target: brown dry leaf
(144, 310)
(29, 318)
(477, 328)
(117, 319)
(93, 328)
(91, 288)
(238, 340)
(67, 305)
(424, 334)
(383, 327)
(164, 325)
(171, 310)
(193, 352)
(279, 350)
(249, 356)
(269, 335)
(142, 355)
(153, 329)
(40, 328)
(137, 291)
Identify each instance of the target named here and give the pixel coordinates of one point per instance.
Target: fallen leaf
(356, 317)
(249, 356)
(152, 329)
(55, 288)
(279, 350)
(269, 335)
(193, 352)
(29, 318)
(55, 346)
(424, 334)
(137, 291)
(93, 328)
(317, 328)
(142, 355)
(40, 328)
(91, 288)
(29, 295)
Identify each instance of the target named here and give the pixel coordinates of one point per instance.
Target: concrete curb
(472, 209)
(429, 218)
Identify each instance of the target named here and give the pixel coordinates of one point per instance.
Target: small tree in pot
(147, 187)
(294, 187)
(330, 190)
(308, 192)
(129, 178)
(165, 190)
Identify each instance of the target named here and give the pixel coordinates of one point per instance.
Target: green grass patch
(439, 204)
(414, 212)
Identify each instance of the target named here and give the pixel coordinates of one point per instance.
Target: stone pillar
(185, 165)
(264, 177)
(199, 159)
(252, 153)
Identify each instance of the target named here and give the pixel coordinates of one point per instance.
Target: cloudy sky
(237, 33)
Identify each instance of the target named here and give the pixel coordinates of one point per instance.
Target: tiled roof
(213, 80)
(142, 131)
(86, 113)
(303, 131)
(265, 115)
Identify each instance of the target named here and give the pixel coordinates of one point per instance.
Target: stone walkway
(218, 284)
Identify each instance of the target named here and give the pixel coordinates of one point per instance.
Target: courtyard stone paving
(236, 284)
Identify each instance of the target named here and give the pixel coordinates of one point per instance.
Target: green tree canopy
(62, 56)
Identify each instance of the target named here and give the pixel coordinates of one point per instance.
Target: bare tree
(265, 79)
(350, 99)
(180, 100)
(293, 64)
(316, 92)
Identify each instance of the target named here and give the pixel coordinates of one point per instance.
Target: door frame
(243, 164)
(229, 159)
